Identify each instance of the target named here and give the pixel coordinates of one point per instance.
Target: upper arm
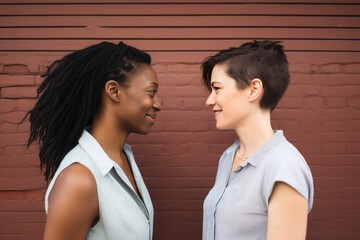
(287, 214)
(73, 204)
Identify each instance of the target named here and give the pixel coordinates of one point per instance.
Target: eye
(216, 89)
(152, 93)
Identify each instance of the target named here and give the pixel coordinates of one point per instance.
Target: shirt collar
(259, 154)
(100, 159)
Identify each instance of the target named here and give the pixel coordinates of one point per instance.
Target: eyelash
(216, 88)
(152, 93)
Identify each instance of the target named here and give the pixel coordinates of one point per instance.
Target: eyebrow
(154, 83)
(212, 84)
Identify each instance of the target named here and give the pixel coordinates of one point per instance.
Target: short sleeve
(291, 168)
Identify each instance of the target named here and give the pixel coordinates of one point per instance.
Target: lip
(217, 112)
(151, 117)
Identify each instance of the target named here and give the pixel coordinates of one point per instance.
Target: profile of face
(229, 103)
(139, 101)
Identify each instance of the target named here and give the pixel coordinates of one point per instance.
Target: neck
(254, 131)
(109, 136)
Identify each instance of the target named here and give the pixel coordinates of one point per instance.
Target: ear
(112, 89)
(256, 89)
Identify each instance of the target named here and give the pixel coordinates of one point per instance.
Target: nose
(210, 101)
(157, 105)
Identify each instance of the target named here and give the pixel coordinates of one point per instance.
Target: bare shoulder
(73, 204)
(76, 178)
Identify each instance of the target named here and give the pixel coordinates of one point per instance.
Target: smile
(217, 112)
(151, 117)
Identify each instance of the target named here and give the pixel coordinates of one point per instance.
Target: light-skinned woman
(264, 187)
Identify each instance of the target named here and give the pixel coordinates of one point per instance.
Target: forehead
(144, 75)
(219, 74)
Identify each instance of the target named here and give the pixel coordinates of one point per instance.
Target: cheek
(147, 102)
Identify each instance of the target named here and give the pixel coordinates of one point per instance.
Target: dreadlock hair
(264, 60)
(70, 96)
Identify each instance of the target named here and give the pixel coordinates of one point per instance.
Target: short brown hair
(264, 60)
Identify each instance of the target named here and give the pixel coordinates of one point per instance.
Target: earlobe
(256, 87)
(112, 89)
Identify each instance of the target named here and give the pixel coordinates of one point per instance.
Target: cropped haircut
(264, 60)
(70, 96)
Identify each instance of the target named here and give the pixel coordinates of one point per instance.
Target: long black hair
(70, 96)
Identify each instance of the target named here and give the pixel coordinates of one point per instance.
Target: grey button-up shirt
(237, 206)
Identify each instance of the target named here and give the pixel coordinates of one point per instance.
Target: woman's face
(229, 103)
(140, 101)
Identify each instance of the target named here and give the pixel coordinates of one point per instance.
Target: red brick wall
(319, 113)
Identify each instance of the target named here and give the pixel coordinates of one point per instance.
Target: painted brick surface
(319, 113)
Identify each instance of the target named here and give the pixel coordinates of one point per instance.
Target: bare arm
(287, 217)
(73, 205)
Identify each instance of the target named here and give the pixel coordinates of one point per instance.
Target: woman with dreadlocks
(90, 101)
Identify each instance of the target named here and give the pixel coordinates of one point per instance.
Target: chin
(142, 131)
(222, 127)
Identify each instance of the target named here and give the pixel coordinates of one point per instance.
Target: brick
(175, 148)
(299, 102)
(340, 114)
(309, 148)
(179, 80)
(350, 193)
(25, 104)
(320, 79)
(13, 138)
(190, 205)
(18, 92)
(148, 148)
(14, 80)
(197, 126)
(183, 68)
(343, 137)
(333, 125)
(195, 103)
(198, 148)
(344, 91)
(23, 205)
(29, 227)
(24, 127)
(351, 68)
(312, 125)
(159, 69)
(330, 68)
(172, 103)
(302, 91)
(12, 117)
(328, 193)
(353, 147)
(176, 126)
(13, 151)
(353, 171)
(6, 127)
(16, 183)
(303, 67)
(7, 105)
(352, 125)
(182, 91)
(15, 68)
(335, 102)
(338, 182)
(295, 114)
(353, 102)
